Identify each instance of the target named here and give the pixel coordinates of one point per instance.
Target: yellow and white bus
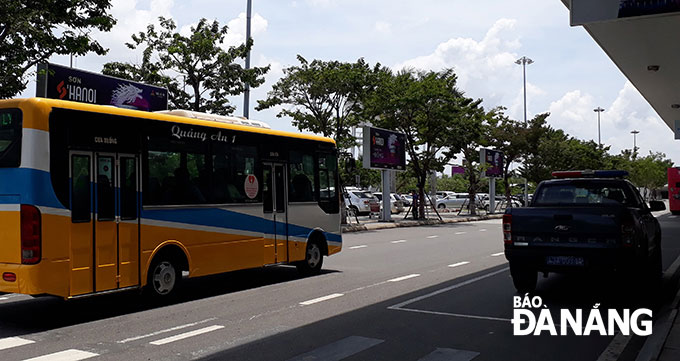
(96, 199)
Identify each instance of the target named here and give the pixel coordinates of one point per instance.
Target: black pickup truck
(583, 220)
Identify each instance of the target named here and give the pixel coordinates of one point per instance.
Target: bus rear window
(10, 138)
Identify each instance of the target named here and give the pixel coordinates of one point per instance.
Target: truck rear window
(10, 137)
(581, 193)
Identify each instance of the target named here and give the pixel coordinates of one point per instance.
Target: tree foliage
(198, 61)
(31, 31)
(437, 119)
(324, 97)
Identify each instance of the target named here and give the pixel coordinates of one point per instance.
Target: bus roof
(46, 105)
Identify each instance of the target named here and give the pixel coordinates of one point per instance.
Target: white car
(499, 200)
(361, 202)
(396, 204)
(454, 201)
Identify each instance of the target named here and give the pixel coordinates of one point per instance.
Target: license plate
(564, 261)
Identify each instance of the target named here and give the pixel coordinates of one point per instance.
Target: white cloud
(321, 3)
(483, 67)
(383, 27)
(574, 114)
(237, 29)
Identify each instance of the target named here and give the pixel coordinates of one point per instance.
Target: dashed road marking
(339, 350)
(459, 264)
(399, 241)
(67, 355)
(460, 232)
(483, 230)
(497, 254)
(357, 247)
(402, 278)
(167, 330)
(433, 236)
(182, 336)
(449, 354)
(321, 299)
(3, 298)
(10, 342)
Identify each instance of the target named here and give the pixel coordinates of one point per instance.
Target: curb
(653, 346)
(349, 228)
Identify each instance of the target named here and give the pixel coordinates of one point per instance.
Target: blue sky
(479, 39)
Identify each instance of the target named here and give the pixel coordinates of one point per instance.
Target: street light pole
(524, 61)
(246, 93)
(635, 133)
(598, 110)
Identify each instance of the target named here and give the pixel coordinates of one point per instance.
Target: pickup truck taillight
(627, 233)
(507, 228)
(31, 235)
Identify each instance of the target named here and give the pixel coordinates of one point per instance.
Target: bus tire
(313, 259)
(164, 277)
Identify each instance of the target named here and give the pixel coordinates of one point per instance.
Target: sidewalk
(368, 224)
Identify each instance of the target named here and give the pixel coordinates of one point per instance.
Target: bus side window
(301, 177)
(81, 199)
(328, 184)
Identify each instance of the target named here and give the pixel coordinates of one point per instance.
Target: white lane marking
(404, 277)
(182, 336)
(357, 247)
(10, 342)
(483, 230)
(455, 314)
(67, 355)
(447, 289)
(399, 241)
(672, 216)
(167, 330)
(459, 264)
(3, 298)
(435, 236)
(497, 254)
(321, 299)
(460, 232)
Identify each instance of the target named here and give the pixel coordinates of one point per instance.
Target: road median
(371, 226)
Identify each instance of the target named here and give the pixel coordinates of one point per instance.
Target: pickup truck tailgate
(597, 227)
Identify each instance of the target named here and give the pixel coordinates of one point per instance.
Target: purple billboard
(60, 82)
(384, 149)
(494, 160)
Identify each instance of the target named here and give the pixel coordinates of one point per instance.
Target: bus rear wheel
(164, 278)
(313, 260)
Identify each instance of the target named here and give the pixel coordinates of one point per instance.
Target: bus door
(275, 210)
(106, 254)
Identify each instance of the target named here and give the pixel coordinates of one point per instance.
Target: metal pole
(524, 75)
(246, 93)
(598, 110)
(386, 203)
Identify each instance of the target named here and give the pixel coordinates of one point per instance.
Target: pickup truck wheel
(441, 206)
(524, 278)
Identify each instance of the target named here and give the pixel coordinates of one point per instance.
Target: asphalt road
(430, 293)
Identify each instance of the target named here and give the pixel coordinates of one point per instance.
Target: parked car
(444, 194)
(454, 201)
(499, 200)
(584, 221)
(396, 205)
(407, 199)
(361, 202)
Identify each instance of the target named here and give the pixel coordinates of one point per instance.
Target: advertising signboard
(494, 159)
(384, 149)
(60, 82)
(589, 11)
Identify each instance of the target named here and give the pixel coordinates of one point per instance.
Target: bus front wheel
(164, 277)
(313, 260)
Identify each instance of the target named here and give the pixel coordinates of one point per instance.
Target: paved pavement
(438, 292)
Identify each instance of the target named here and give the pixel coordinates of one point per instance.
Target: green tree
(323, 97)
(31, 31)
(650, 172)
(552, 150)
(511, 137)
(432, 113)
(199, 61)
